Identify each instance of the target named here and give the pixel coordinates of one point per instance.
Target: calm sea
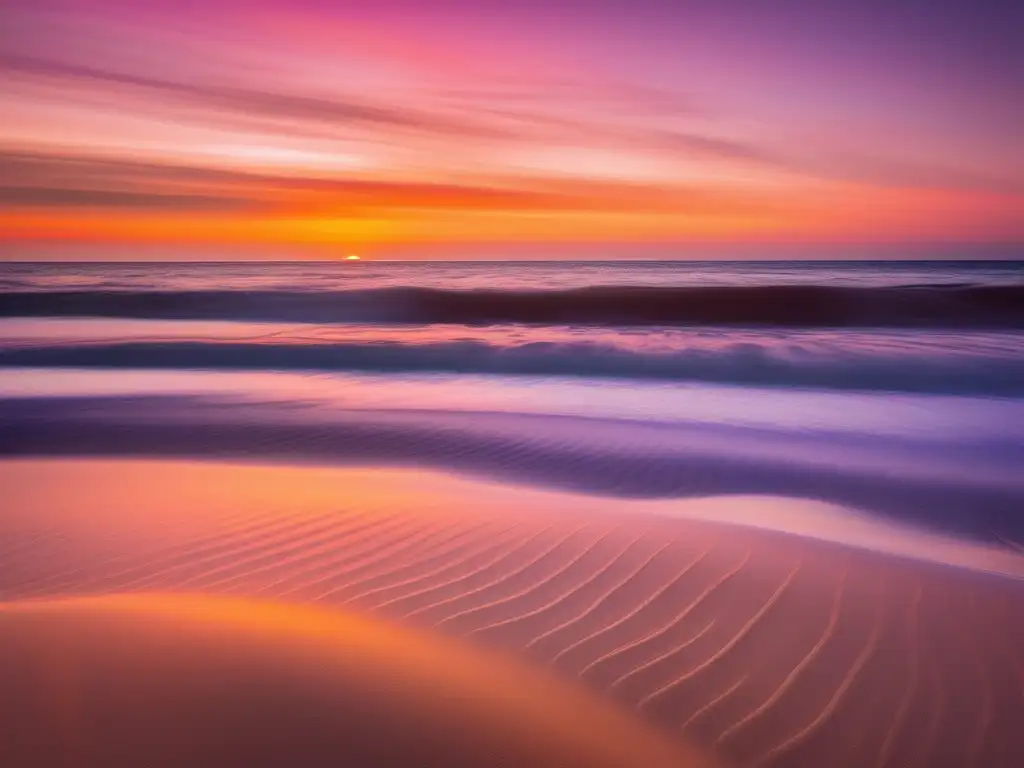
(497, 275)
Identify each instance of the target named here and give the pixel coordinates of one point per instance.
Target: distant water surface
(495, 275)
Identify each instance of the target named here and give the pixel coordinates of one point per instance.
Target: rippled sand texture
(772, 649)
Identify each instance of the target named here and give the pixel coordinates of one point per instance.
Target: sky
(386, 125)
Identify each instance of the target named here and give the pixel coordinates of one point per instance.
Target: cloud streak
(647, 120)
(65, 180)
(268, 105)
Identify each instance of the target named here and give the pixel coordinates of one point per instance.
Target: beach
(768, 647)
(385, 540)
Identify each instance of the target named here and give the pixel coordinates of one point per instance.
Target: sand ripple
(773, 649)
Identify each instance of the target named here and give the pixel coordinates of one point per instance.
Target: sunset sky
(393, 123)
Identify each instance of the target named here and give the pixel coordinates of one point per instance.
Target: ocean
(890, 388)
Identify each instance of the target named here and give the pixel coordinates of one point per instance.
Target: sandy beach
(807, 646)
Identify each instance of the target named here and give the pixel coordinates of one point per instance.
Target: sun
(352, 257)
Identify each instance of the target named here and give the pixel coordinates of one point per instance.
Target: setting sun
(353, 257)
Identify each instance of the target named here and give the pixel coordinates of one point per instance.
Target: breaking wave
(793, 306)
(897, 370)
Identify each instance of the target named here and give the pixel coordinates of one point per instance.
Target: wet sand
(833, 642)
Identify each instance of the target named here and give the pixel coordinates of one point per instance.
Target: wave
(739, 363)
(797, 306)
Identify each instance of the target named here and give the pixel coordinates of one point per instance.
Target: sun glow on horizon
(626, 131)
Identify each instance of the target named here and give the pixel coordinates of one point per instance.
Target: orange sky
(299, 124)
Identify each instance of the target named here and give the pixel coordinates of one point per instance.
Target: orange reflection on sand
(763, 644)
(113, 502)
(168, 495)
(199, 678)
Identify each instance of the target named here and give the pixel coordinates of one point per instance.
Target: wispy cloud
(75, 180)
(294, 112)
(268, 105)
(63, 198)
(519, 114)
